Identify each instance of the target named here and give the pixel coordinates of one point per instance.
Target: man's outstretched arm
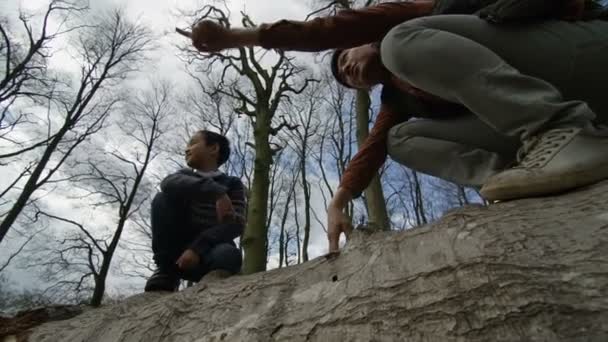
(359, 173)
(348, 28)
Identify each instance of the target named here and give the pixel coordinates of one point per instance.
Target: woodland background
(97, 101)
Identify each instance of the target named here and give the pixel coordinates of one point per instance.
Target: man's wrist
(246, 36)
(341, 198)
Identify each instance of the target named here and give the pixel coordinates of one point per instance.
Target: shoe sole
(158, 288)
(549, 186)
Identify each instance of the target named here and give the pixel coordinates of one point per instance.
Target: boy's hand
(223, 207)
(188, 260)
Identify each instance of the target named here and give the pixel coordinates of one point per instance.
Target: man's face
(361, 67)
(198, 153)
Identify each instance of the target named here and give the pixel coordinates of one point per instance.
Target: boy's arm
(239, 201)
(233, 226)
(223, 232)
(186, 184)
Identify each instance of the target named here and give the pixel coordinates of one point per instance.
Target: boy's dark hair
(212, 138)
(334, 68)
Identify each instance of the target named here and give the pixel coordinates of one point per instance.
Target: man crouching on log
(509, 90)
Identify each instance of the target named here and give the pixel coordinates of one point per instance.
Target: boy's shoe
(555, 161)
(162, 280)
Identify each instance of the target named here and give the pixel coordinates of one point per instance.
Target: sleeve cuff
(219, 190)
(200, 247)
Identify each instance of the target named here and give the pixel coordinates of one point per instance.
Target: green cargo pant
(516, 81)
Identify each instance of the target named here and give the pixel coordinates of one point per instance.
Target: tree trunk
(376, 206)
(297, 235)
(123, 215)
(306, 190)
(100, 280)
(31, 185)
(419, 207)
(283, 251)
(528, 270)
(287, 239)
(255, 236)
(100, 289)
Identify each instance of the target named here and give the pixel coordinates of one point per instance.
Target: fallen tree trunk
(527, 270)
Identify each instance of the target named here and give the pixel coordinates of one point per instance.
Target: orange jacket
(351, 28)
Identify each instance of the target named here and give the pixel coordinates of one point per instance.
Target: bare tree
(335, 141)
(398, 206)
(259, 92)
(416, 196)
(305, 111)
(25, 68)
(454, 195)
(445, 196)
(118, 183)
(27, 83)
(15, 299)
(109, 50)
(284, 232)
(410, 204)
(139, 246)
(208, 107)
(26, 239)
(374, 195)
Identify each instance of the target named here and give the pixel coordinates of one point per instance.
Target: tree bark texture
(527, 270)
(254, 237)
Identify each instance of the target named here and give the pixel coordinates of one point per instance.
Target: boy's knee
(226, 257)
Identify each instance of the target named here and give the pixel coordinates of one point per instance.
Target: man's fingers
(347, 229)
(334, 240)
(201, 47)
(183, 32)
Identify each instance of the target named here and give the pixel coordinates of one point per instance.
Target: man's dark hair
(334, 68)
(212, 138)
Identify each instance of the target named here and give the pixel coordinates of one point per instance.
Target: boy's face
(199, 154)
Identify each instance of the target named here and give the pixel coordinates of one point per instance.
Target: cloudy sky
(160, 16)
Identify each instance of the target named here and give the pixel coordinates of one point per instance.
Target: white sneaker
(557, 160)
